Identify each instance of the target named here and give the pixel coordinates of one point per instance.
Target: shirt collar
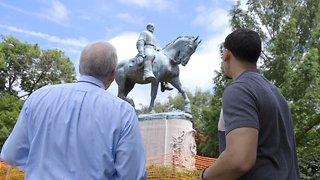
(248, 70)
(92, 80)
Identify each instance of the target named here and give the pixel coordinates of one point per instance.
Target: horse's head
(188, 46)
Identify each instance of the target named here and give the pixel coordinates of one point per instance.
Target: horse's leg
(128, 87)
(177, 84)
(154, 91)
(123, 89)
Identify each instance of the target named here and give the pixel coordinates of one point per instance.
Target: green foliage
(173, 104)
(10, 107)
(310, 168)
(52, 67)
(211, 116)
(25, 67)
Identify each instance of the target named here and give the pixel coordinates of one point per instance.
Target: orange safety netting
(10, 173)
(155, 169)
(202, 162)
(172, 170)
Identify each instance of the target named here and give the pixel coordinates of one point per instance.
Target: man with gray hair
(79, 130)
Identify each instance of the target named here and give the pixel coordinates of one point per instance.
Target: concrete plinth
(168, 139)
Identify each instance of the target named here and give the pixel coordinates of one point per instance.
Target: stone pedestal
(169, 139)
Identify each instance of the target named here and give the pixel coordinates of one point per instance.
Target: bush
(10, 107)
(310, 168)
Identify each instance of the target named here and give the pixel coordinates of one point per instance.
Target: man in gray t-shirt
(255, 128)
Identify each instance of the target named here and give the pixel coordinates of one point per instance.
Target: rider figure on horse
(146, 45)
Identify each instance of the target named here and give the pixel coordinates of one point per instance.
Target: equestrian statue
(156, 66)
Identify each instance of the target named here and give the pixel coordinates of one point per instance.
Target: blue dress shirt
(76, 131)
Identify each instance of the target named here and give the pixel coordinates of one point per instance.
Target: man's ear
(112, 75)
(226, 55)
(110, 78)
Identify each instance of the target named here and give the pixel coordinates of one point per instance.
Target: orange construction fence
(155, 169)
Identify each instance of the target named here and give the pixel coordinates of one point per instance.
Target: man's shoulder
(45, 90)
(247, 80)
(236, 85)
(53, 86)
(108, 98)
(239, 88)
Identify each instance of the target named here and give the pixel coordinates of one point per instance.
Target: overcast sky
(71, 25)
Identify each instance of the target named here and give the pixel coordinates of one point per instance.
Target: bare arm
(238, 157)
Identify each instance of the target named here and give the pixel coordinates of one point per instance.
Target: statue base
(169, 139)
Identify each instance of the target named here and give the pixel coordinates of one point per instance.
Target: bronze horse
(165, 67)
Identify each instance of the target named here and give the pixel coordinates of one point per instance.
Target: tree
(211, 116)
(290, 31)
(10, 107)
(25, 68)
